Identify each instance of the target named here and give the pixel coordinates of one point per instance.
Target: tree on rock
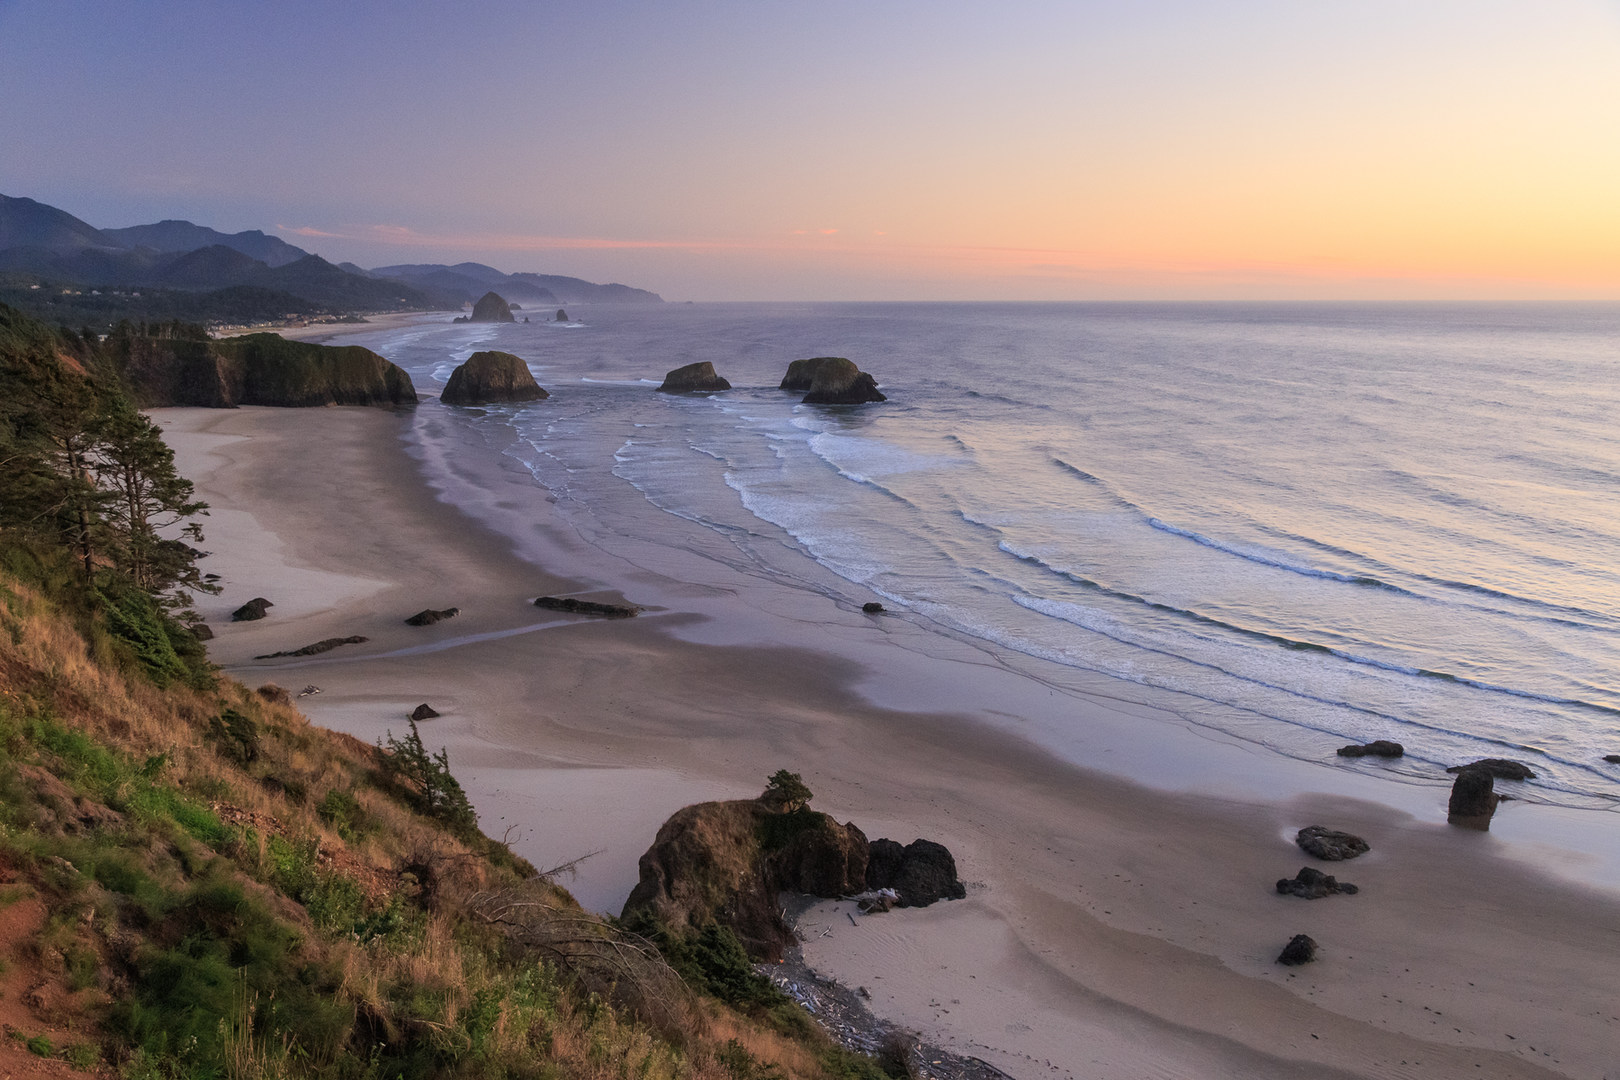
(787, 791)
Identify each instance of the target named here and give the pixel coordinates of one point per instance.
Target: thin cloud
(405, 236)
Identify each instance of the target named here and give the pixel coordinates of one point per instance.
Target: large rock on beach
(492, 308)
(696, 378)
(1377, 748)
(491, 378)
(837, 381)
(1330, 845)
(252, 610)
(1473, 799)
(586, 607)
(1312, 884)
(922, 872)
(1500, 768)
(424, 711)
(1301, 949)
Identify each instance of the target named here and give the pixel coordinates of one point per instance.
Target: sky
(766, 150)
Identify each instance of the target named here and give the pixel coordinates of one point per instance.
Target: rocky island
(489, 378)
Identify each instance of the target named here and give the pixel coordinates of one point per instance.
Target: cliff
(259, 369)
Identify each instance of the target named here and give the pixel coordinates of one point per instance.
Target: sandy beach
(1114, 927)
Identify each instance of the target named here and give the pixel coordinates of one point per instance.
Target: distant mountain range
(45, 252)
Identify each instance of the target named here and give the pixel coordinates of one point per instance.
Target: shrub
(428, 783)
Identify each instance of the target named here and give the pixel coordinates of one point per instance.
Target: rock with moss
(801, 374)
(491, 307)
(837, 381)
(490, 378)
(699, 378)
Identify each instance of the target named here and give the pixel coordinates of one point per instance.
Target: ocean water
(1324, 524)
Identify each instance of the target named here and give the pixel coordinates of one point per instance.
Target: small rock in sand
(1377, 748)
(253, 609)
(423, 711)
(1330, 844)
(872, 607)
(1299, 950)
(1312, 884)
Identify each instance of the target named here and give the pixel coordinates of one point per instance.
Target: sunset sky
(1403, 149)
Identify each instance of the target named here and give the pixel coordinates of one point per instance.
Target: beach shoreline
(1112, 928)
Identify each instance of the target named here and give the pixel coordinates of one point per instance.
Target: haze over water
(1329, 523)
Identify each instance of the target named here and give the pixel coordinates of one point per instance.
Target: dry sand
(1111, 930)
(323, 331)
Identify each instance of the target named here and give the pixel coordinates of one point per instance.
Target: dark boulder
(1330, 845)
(491, 308)
(801, 374)
(883, 860)
(1377, 748)
(822, 859)
(1312, 884)
(1612, 759)
(201, 631)
(424, 711)
(839, 382)
(1300, 949)
(428, 616)
(253, 609)
(925, 872)
(1500, 768)
(696, 378)
(562, 316)
(872, 607)
(586, 607)
(1473, 799)
(491, 378)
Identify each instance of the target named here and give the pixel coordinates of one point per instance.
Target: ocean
(1322, 524)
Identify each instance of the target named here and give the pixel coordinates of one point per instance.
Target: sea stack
(801, 374)
(837, 381)
(492, 308)
(693, 379)
(489, 378)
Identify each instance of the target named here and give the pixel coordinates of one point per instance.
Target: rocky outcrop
(922, 872)
(726, 862)
(1500, 768)
(424, 711)
(1301, 949)
(429, 616)
(324, 645)
(257, 369)
(696, 378)
(491, 378)
(872, 607)
(1377, 748)
(201, 631)
(586, 607)
(562, 316)
(1330, 845)
(491, 308)
(1473, 799)
(252, 610)
(837, 381)
(1312, 884)
(801, 374)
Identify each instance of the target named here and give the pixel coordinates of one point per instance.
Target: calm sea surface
(1330, 523)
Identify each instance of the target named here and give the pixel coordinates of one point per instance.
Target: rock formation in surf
(696, 378)
(491, 378)
(837, 381)
(801, 374)
(491, 308)
(1500, 768)
(1377, 748)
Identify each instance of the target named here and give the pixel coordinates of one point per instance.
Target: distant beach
(1112, 928)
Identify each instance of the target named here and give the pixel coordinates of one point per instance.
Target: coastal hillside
(197, 882)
